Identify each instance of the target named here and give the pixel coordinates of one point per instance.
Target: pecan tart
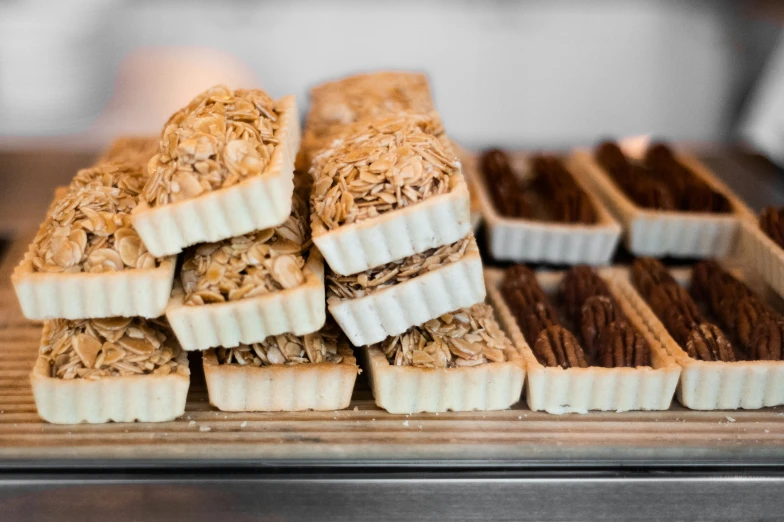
(605, 358)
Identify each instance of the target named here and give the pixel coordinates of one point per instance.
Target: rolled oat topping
(327, 345)
(367, 96)
(220, 139)
(247, 266)
(378, 166)
(371, 281)
(89, 229)
(131, 149)
(467, 337)
(113, 347)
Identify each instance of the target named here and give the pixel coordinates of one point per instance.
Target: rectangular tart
(580, 389)
(461, 361)
(224, 168)
(523, 239)
(387, 189)
(247, 288)
(390, 299)
(677, 233)
(114, 369)
(87, 260)
(719, 384)
(286, 372)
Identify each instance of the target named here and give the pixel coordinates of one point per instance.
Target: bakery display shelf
(363, 433)
(362, 463)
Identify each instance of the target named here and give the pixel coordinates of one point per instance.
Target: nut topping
(556, 346)
(539, 316)
(580, 283)
(220, 139)
(771, 222)
(377, 278)
(89, 229)
(648, 273)
(750, 313)
(622, 346)
(115, 347)
(377, 166)
(367, 96)
(766, 340)
(708, 343)
(467, 337)
(325, 346)
(597, 313)
(137, 150)
(247, 266)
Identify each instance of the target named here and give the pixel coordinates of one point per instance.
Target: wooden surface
(363, 432)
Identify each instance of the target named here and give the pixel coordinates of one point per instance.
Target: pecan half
(648, 273)
(621, 345)
(653, 194)
(725, 293)
(521, 290)
(610, 156)
(503, 184)
(701, 276)
(551, 175)
(673, 296)
(597, 312)
(538, 317)
(678, 325)
(556, 346)
(580, 283)
(519, 275)
(766, 340)
(708, 343)
(750, 313)
(771, 223)
(574, 206)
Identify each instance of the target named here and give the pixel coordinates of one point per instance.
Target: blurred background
(527, 73)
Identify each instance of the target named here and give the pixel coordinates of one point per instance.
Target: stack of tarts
(250, 289)
(727, 337)
(585, 346)
(390, 214)
(105, 355)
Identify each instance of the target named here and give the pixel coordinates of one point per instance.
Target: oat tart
(461, 361)
(114, 369)
(224, 168)
(389, 299)
(285, 372)
(385, 190)
(247, 288)
(727, 336)
(87, 260)
(538, 210)
(585, 347)
(668, 202)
